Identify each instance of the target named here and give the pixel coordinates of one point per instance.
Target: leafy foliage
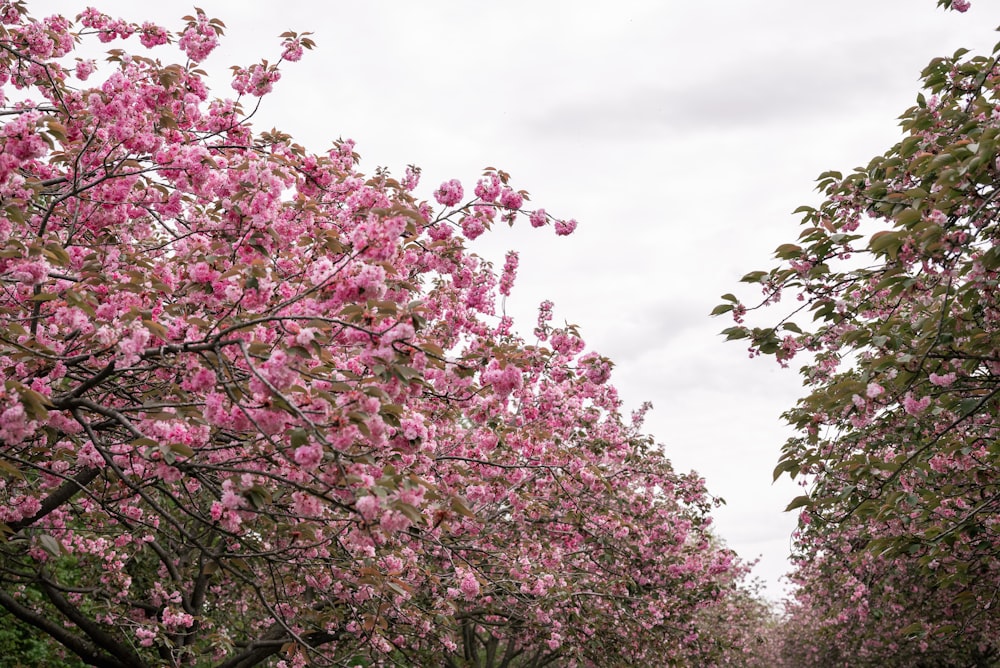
(898, 317)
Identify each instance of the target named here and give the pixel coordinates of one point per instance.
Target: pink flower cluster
(199, 39)
(565, 227)
(449, 193)
(257, 80)
(509, 273)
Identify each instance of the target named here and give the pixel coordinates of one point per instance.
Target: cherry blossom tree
(261, 408)
(896, 273)
(744, 631)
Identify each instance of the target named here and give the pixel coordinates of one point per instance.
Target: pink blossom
(369, 507)
(565, 227)
(27, 506)
(174, 619)
(942, 380)
(440, 231)
(131, 346)
(84, 68)
(511, 199)
(308, 456)
(472, 227)
(873, 390)
(306, 505)
(201, 272)
(262, 80)
(231, 498)
(279, 370)
(199, 39)
(202, 379)
(392, 564)
(538, 218)
(915, 406)
(468, 584)
(145, 636)
(292, 51)
(504, 379)
(31, 273)
(92, 18)
(88, 456)
(598, 369)
(961, 5)
(488, 189)
(449, 193)
(370, 281)
(509, 273)
(412, 177)
(938, 217)
(151, 35)
(393, 521)
(413, 428)
(320, 270)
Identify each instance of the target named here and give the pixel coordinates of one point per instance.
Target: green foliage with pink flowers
(895, 310)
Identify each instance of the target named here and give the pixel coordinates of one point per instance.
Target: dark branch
(63, 493)
(83, 649)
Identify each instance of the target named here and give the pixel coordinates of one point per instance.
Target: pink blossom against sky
(680, 135)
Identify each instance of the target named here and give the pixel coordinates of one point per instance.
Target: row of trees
(259, 408)
(897, 554)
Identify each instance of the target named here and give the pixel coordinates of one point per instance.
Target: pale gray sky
(680, 134)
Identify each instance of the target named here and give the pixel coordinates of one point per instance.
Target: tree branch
(270, 644)
(63, 493)
(60, 634)
(102, 638)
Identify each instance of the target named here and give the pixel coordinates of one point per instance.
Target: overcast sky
(680, 135)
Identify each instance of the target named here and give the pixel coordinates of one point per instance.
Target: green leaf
(156, 329)
(722, 308)
(181, 449)
(886, 243)
(57, 254)
(910, 145)
(51, 545)
(908, 217)
(459, 506)
(788, 251)
(15, 213)
(787, 466)
(991, 258)
(798, 502)
(733, 333)
(36, 405)
(258, 497)
(298, 437)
